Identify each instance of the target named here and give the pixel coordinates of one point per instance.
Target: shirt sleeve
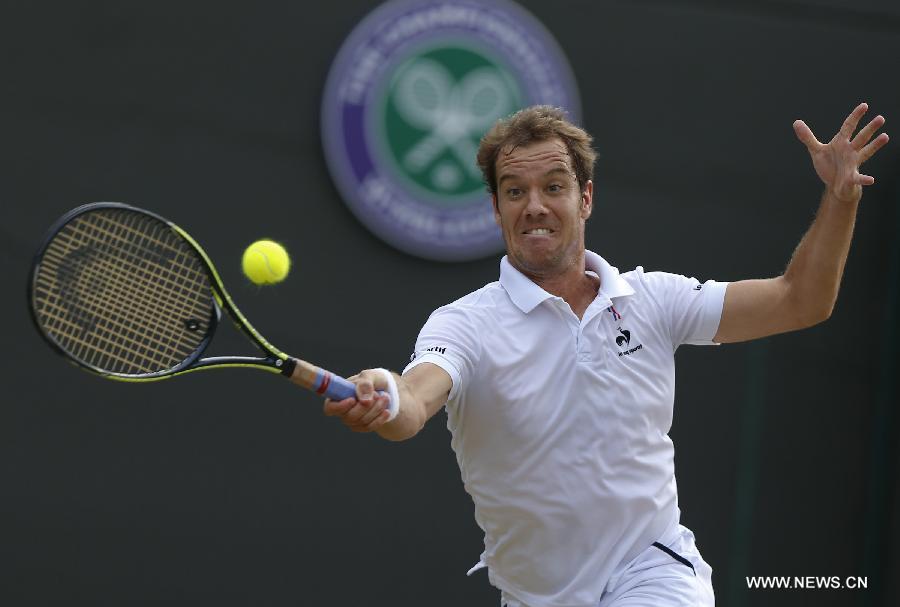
(449, 340)
(691, 309)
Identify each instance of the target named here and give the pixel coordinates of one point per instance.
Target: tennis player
(559, 378)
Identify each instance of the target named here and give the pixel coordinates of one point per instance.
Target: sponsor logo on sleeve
(435, 349)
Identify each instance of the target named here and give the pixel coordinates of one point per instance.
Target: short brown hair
(532, 124)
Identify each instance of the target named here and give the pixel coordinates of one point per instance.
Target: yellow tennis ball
(265, 262)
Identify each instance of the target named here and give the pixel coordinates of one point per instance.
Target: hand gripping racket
(130, 296)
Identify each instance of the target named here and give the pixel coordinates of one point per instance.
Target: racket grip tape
(336, 387)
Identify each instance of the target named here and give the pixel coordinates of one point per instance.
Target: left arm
(806, 293)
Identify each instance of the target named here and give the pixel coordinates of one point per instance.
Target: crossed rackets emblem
(454, 114)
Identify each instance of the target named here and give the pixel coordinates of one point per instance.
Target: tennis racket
(130, 296)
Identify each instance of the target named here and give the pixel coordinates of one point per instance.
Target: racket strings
(121, 291)
(127, 309)
(94, 291)
(83, 290)
(163, 296)
(83, 303)
(146, 278)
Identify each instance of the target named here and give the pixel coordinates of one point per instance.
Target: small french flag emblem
(615, 313)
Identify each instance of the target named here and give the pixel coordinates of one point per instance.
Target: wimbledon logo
(408, 98)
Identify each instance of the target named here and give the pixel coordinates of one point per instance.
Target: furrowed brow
(557, 171)
(550, 173)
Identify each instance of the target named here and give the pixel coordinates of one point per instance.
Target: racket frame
(276, 361)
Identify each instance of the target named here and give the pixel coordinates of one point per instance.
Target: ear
(496, 210)
(587, 200)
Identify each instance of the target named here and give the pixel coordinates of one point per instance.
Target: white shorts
(672, 574)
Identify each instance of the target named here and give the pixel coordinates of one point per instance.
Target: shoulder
(658, 283)
(453, 334)
(478, 303)
(660, 291)
(643, 282)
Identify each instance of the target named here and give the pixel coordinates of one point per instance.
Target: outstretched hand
(837, 162)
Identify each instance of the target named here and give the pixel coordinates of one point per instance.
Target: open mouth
(538, 231)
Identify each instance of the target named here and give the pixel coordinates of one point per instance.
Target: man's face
(540, 208)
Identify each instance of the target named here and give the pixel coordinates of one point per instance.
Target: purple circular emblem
(409, 96)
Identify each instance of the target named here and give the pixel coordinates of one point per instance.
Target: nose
(535, 206)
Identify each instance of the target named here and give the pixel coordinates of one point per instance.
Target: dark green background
(230, 488)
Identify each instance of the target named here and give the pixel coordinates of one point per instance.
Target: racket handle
(318, 380)
(334, 386)
(338, 388)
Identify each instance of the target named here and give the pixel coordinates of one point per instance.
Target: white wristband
(394, 406)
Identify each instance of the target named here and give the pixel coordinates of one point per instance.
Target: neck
(572, 284)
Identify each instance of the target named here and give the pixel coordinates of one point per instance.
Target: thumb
(365, 386)
(805, 135)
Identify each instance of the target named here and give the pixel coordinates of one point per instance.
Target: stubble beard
(556, 263)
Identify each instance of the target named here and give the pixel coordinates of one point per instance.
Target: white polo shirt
(560, 425)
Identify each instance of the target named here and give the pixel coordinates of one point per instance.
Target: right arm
(449, 336)
(423, 391)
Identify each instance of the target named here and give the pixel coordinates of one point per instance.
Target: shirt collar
(611, 282)
(527, 295)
